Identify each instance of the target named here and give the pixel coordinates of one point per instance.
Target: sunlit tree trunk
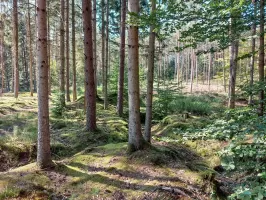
(135, 140)
(30, 50)
(43, 153)
(15, 48)
(106, 57)
(232, 77)
(103, 44)
(67, 52)
(62, 54)
(261, 59)
(150, 74)
(224, 79)
(209, 70)
(120, 97)
(191, 71)
(94, 33)
(90, 94)
(74, 52)
(49, 49)
(197, 68)
(253, 45)
(2, 55)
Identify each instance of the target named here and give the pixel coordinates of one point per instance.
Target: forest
(132, 99)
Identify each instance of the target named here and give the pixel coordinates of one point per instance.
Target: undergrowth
(244, 157)
(168, 102)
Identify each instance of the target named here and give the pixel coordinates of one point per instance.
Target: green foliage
(9, 192)
(245, 152)
(169, 102)
(58, 108)
(162, 104)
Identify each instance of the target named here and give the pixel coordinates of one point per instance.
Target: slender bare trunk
(94, 35)
(232, 78)
(253, 44)
(209, 70)
(2, 55)
(150, 74)
(89, 69)
(261, 59)
(43, 153)
(74, 52)
(49, 50)
(30, 50)
(67, 52)
(15, 48)
(120, 97)
(224, 79)
(106, 56)
(191, 71)
(62, 54)
(135, 140)
(103, 44)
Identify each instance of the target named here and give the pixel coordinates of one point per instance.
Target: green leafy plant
(58, 108)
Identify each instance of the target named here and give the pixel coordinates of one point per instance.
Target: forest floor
(96, 165)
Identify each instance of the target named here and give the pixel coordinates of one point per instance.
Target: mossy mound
(108, 172)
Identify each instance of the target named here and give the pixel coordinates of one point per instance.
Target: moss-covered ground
(95, 165)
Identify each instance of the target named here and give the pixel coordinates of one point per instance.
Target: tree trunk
(232, 77)
(15, 48)
(253, 44)
(150, 74)
(261, 59)
(120, 97)
(2, 55)
(135, 140)
(103, 45)
(106, 57)
(62, 54)
(74, 52)
(94, 33)
(88, 69)
(192, 71)
(30, 50)
(49, 50)
(24, 60)
(224, 80)
(67, 52)
(209, 70)
(197, 68)
(43, 153)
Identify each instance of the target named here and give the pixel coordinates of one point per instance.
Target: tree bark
(49, 51)
(43, 153)
(62, 54)
(261, 59)
(150, 74)
(89, 69)
(232, 77)
(120, 97)
(209, 70)
(192, 71)
(253, 45)
(103, 45)
(106, 57)
(74, 52)
(30, 50)
(67, 52)
(135, 140)
(94, 33)
(224, 79)
(15, 48)
(2, 55)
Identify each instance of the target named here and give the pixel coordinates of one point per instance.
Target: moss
(9, 192)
